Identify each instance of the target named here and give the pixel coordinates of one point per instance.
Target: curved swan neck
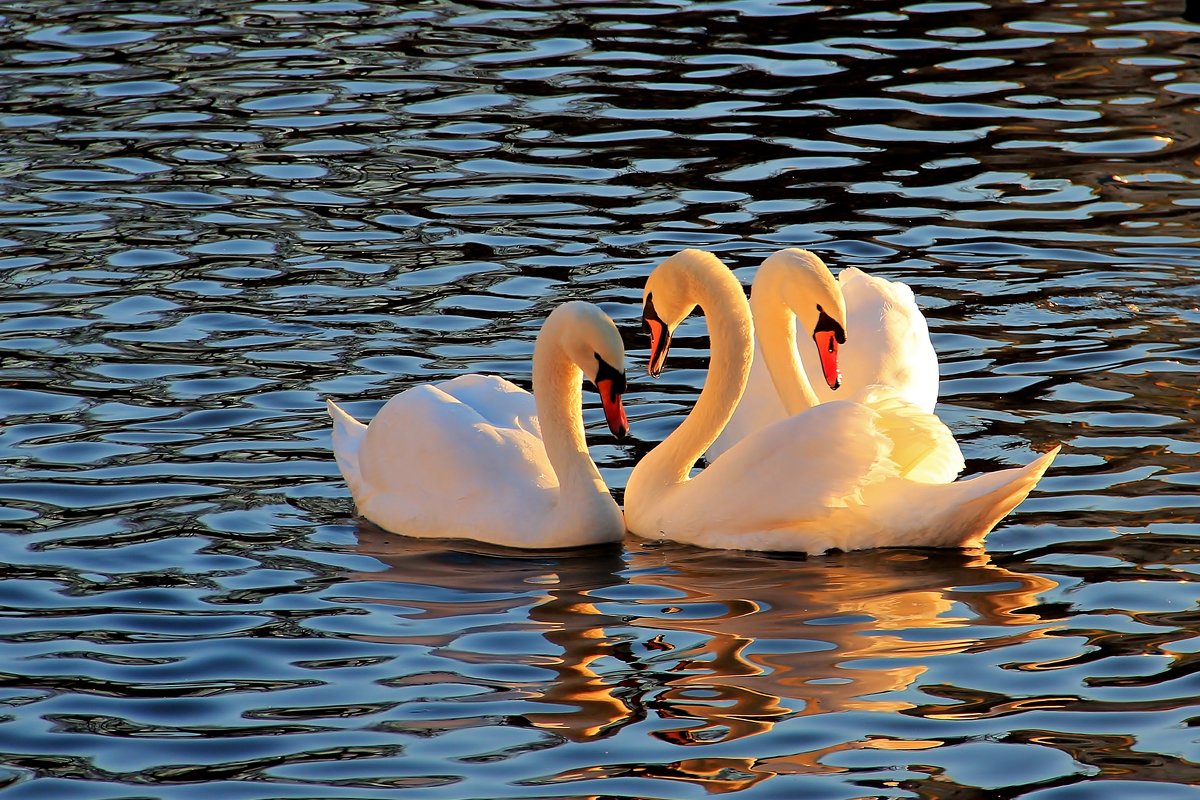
(709, 284)
(558, 395)
(775, 326)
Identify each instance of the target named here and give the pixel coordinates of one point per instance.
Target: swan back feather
(887, 342)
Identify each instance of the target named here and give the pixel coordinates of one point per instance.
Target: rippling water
(213, 216)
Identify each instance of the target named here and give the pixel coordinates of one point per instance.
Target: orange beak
(660, 343)
(610, 383)
(610, 399)
(827, 349)
(660, 337)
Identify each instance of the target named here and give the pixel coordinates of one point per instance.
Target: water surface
(213, 217)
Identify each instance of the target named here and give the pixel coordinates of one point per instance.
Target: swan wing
(887, 342)
(778, 487)
(923, 447)
(500, 402)
(432, 464)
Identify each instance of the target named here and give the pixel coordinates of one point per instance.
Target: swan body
(890, 347)
(477, 457)
(849, 475)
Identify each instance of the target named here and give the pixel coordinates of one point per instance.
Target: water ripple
(211, 219)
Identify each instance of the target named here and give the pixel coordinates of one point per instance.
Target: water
(213, 216)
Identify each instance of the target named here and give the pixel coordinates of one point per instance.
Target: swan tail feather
(1001, 492)
(348, 434)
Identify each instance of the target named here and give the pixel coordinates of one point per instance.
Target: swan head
(809, 289)
(669, 297)
(592, 341)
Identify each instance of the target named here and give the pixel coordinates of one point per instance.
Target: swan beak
(828, 334)
(611, 385)
(614, 412)
(660, 337)
(660, 343)
(827, 349)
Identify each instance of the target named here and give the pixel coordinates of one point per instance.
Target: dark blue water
(213, 216)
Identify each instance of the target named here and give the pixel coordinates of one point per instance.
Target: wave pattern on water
(212, 218)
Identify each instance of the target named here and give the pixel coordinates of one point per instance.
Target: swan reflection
(755, 639)
(461, 589)
(734, 644)
(708, 645)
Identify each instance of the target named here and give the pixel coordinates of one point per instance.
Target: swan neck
(558, 396)
(731, 336)
(775, 326)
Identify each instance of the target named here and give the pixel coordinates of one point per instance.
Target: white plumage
(849, 474)
(477, 457)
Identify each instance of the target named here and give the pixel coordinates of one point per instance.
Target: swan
(842, 475)
(890, 347)
(477, 457)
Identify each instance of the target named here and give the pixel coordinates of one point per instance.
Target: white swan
(890, 347)
(479, 458)
(843, 475)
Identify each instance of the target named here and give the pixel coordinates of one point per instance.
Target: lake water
(214, 215)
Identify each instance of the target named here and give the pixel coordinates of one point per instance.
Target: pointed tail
(348, 435)
(994, 495)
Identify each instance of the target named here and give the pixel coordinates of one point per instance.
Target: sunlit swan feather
(846, 475)
(479, 458)
(890, 347)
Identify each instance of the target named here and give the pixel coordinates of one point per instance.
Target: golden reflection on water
(489, 582)
(801, 649)
(714, 646)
